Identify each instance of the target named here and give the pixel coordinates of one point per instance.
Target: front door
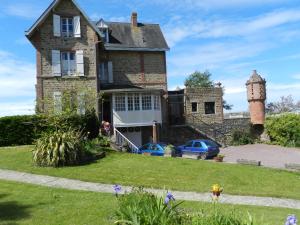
(106, 110)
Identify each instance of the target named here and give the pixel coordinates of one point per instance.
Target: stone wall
(200, 96)
(45, 42)
(144, 69)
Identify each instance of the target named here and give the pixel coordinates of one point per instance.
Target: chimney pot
(134, 21)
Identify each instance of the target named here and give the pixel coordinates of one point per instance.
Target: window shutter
(77, 28)
(56, 25)
(57, 102)
(81, 104)
(56, 63)
(110, 72)
(80, 62)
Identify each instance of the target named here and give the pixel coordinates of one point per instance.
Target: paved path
(270, 155)
(56, 182)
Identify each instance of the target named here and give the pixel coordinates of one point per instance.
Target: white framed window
(67, 27)
(146, 102)
(156, 102)
(137, 106)
(68, 61)
(130, 102)
(57, 102)
(120, 103)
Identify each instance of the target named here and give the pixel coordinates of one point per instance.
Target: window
(197, 145)
(189, 144)
(156, 102)
(68, 63)
(104, 34)
(137, 102)
(209, 107)
(130, 102)
(194, 107)
(120, 103)
(67, 27)
(146, 102)
(57, 101)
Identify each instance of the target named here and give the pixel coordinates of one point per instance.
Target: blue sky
(228, 38)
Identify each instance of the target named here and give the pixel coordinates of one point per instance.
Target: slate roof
(123, 36)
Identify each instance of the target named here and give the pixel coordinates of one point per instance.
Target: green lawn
(159, 172)
(25, 204)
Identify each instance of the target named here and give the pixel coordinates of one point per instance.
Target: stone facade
(139, 68)
(44, 41)
(199, 97)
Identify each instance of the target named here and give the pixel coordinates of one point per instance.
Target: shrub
(18, 130)
(23, 130)
(284, 129)
(58, 148)
(242, 138)
(141, 207)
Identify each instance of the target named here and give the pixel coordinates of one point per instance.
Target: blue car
(202, 148)
(153, 149)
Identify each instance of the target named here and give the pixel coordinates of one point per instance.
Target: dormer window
(67, 27)
(103, 27)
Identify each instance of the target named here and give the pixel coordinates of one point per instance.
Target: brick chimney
(134, 21)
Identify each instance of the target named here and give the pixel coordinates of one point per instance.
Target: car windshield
(210, 143)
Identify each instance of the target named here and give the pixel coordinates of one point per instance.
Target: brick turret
(256, 93)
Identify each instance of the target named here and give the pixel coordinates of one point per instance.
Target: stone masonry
(200, 96)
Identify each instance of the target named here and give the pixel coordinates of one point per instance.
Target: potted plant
(169, 151)
(219, 158)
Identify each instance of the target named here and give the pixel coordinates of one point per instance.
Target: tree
(286, 104)
(199, 79)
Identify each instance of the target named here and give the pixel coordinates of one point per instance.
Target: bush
(141, 207)
(23, 130)
(18, 130)
(58, 148)
(284, 129)
(242, 138)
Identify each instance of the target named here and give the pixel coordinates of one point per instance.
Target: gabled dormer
(104, 30)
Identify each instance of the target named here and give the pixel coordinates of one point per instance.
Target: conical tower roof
(256, 78)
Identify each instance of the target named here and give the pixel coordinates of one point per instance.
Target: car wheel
(203, 156)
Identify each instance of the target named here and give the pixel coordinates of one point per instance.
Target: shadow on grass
(12, 211)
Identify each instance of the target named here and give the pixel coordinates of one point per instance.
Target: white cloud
(24, 10)
(296, 76)
(17, 108)
(178, 30)
(17, 81)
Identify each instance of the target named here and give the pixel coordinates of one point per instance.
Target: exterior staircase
(122, 143)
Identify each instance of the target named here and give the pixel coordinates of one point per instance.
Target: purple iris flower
(169, 197)
(291, 220)
(117, 189)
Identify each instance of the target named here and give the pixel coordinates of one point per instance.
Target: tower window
(194, 107)
(210, 107)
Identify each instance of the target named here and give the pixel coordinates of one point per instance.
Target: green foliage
(141, 207)
(199, 79)
(23, 130)
(18, 130)
(97, 144)
(284, 129)
(217, 217)
(58, 148)
(241, 137)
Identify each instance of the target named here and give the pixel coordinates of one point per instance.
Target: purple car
(202, 148)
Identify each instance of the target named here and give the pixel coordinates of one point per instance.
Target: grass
(169, 173)
(25, 204)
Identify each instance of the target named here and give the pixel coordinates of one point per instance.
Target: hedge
(284, 129)
(24, 130)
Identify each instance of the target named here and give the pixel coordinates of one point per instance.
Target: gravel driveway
(269, 155)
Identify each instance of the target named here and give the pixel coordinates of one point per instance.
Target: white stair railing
(121, 140)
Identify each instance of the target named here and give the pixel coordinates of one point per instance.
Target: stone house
(126, 62)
